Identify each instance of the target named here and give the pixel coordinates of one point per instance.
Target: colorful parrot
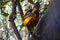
(31, 17)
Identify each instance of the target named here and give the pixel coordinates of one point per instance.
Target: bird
(31, 17)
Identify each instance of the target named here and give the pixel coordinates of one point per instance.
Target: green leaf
(5, 14)
(10, 25)
(45, 6)
(3, 3)
(21, 0)
(21, 26)
(40, 1)
(31, 1)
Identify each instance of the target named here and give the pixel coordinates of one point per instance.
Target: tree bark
(49, 28)
(12, 18)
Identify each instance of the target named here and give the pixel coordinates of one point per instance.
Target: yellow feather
(27, 20)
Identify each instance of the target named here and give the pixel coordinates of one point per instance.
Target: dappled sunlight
(19, 18)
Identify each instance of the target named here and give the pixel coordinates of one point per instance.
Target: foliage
(21, 26)
(5, 14)
(31, 1)
(8, 9)
(1, 18)
(21, 0)
(10, 25)
(2, 4)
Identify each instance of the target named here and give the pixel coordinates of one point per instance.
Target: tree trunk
(49, 28)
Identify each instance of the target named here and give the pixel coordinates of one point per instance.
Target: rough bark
(49, 26)
(12, 18)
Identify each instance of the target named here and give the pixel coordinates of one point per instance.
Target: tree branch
(12, 18)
